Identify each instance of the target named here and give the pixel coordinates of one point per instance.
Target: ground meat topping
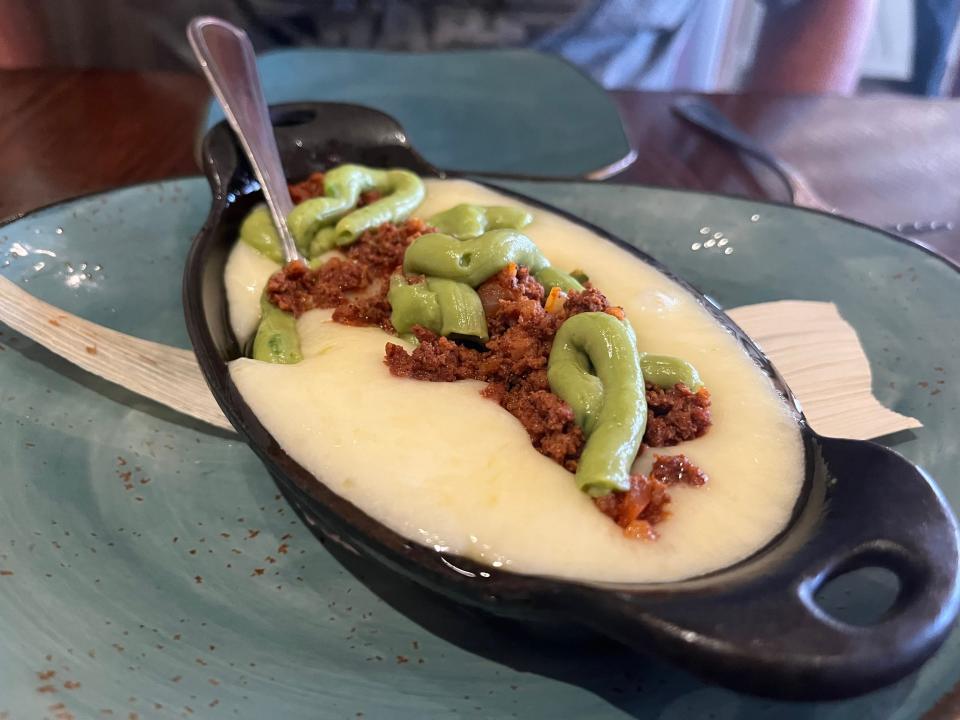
(676, 415)
(380, 249)
(296, 288)
(436, 358)
(368, 197)
(313, 187)
(369, 262)
(370, 310)
(548, 420)
(645, 504)
(590, 300)
(307, 189)
(638, 509)
(677, 469)
(510, 296)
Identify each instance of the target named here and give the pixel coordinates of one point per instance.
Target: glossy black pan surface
(754, 626)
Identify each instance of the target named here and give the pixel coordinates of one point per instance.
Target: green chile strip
(474, 260)
(471, 261)
(446, 307)
(665, 371)
(597, 344)
(342, 187)
(467, 221)
(276, 340)
(460, 309)
(413, 304)
(258, 232)
(550, 278)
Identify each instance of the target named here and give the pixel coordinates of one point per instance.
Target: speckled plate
(542, 114)
(148, 567)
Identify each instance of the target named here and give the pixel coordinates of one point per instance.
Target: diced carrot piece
(555, 300)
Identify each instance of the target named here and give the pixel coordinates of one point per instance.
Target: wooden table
(881, 159)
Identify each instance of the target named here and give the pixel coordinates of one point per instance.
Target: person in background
(804, 45)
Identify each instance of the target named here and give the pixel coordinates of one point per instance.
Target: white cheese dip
(443, 466)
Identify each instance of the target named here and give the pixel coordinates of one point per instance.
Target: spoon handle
(227, 59)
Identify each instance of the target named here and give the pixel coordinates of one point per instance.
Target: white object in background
(704, 40)
(889, 52)
(739, 43)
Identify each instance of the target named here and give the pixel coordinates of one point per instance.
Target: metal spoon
(227, 59)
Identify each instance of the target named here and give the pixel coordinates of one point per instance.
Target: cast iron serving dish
(754, 626)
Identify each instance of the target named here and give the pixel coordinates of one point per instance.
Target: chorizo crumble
(644, 505)
(513, 362)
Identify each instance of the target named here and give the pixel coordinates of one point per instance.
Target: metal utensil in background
(706, 117)
(229, 64)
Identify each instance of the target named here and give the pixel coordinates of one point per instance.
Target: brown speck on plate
(91, 349)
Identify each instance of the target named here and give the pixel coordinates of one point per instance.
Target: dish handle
(312, 136)
(758, 626)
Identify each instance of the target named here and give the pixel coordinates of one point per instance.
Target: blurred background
(804, 46)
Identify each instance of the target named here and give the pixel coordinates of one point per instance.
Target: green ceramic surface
(506, 111)
(148, 566)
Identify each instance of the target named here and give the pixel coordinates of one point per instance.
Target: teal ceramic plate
(499, 111)
(148, 568)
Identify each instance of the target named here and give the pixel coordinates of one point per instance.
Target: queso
(495, 381)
